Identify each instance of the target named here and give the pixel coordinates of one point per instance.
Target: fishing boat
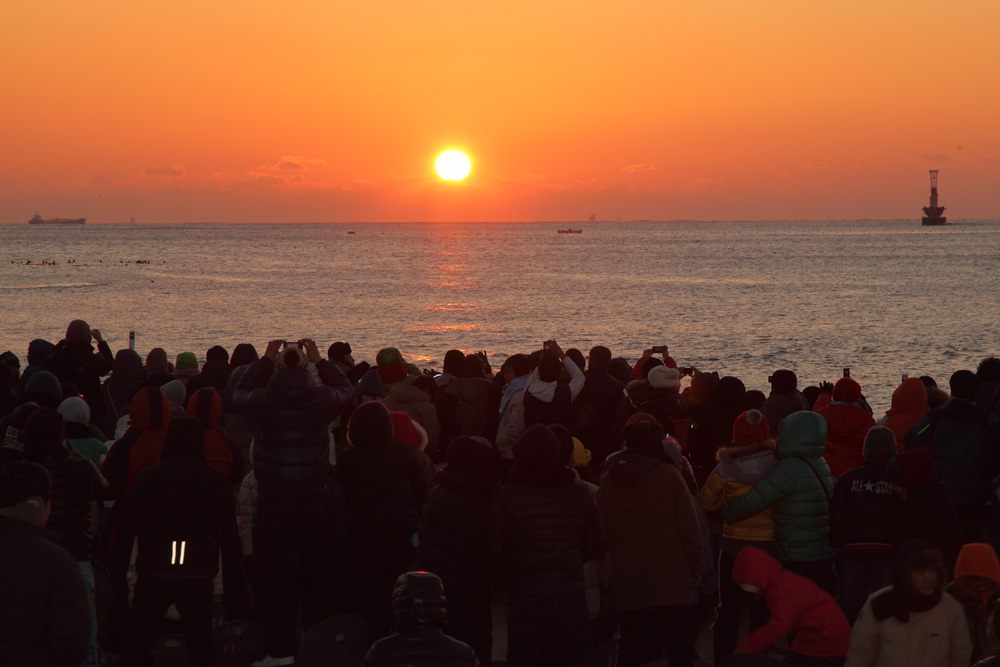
(569, 231)
(39, 220)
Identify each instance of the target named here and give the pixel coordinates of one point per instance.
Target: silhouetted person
(74, 360)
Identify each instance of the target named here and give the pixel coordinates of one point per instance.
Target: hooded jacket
(909, 405)
(470, 403)
(953, 435)
(38, 353)
(182, 513)
(79, 364)
(652, 530)
(127, 376)
(292, 416)
(799, 497)
(847, 425)
(544, 523)
(382, 479)
(141, 446)
(739, 469)
(779, 405)
(552, 402)
(796, 605)
(977, 560)
(221, 453)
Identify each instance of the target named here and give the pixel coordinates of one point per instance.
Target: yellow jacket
(738, 470)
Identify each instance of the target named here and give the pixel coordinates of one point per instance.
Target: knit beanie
(847, 390)
(186, 361)
(243, 354)
(78, 331)
(405, 430)
(339, 350)
(472, 456)
(389, 355)
(880, 444)
(370, 424)
(45, 389)
(783, 381)
(371, 383)
(912, 468)
(74, 409)
(217, 353)
(538, 445)
(750, 428)
(662, 377)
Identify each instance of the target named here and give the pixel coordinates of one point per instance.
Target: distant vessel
(39, 220)
(932, 213)
(569, 231)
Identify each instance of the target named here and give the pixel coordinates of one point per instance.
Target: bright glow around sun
(453, 165)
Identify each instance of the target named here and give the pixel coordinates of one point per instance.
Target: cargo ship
(39, 220)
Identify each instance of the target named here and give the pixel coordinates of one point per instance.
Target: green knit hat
(187, 361)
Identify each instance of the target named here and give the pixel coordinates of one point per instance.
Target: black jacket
(594, 412)
(385, 488)
(80, 365)
(415, 647)
(543, 528)
(44, 612)
(665, 405)
(558, 411)
(454, 536)
(291, 414)
(76, 483)
(865, 512)
(930, 516)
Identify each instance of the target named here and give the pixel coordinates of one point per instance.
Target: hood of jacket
(205, 405)
(150, 409)
(470, 390)
(291, 386)
(39, 351)
(978, 560)
(909, 396)
(630, 469)
(184, 441)
(802, 434)
(45, 389)
(756, 568)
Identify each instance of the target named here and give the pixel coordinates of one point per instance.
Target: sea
(880, 297)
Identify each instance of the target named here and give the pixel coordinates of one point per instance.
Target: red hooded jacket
(797, 605)
(141, 446)
(846, 428)
(205, 405)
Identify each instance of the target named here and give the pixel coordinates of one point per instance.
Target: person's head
(186, 362)
(75, 410)
(472, 456)
(750, 428)
(928, 381)
(549, 367)
(128, 365)
(811, 393)
(78, 332)
(648, 365)
(11, 365)
(661, 377)
(243, 354)
(217, 353)
(419, 600)
(43, 434)
(341, 352)
(157, 362)
(643, 436)
(600, 358)
(847, 390)
(880, 444)
(577, 357)
(537, 447)
(783, 381)
(977, 571)
(292, 357)
(565, 439)
(370, 424)
(988, 370)
(473, 366)
(205, 405)
(964, 385)
(150, 409)
(45, 389)
(25, 492)
(919, 577)
(517, 366)
(184, 440)
(754, 399)
(620, 369)
(454, 362)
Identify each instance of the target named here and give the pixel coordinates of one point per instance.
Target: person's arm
(235, 594)
(775, 485)
(920, 434)
(865, 639)
(256, 376)
(418, 483)
(330, 376)
(594, 542)
(713, 493)
(115, 467)
(960, 645)
(576, 377)
(104, 360)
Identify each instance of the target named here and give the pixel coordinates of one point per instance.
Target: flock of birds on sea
(52, 262)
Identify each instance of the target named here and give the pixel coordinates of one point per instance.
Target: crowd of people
(594, 502)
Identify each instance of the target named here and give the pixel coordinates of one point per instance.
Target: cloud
(635, 168)
(101, 180)
(935, 158)
(701, 184)
(288, 164)
(164, 171)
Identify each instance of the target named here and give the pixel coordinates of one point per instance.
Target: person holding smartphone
(546, 401)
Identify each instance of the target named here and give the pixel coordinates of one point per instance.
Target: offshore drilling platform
(932, 213)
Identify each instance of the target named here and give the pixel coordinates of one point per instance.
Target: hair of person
(964, 385)
(473, 366)
(649, 365)
(425, 383)
(928, 381)
(454, 362)
(989, 370)
(577, 357)
(600, 357)
(290, 357)
(549, 367)
(519, 364)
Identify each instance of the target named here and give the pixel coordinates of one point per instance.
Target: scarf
(516, 385)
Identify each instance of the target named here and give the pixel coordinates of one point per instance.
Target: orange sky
(329, 111)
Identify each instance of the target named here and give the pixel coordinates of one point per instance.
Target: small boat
(569, 231)
(39, 220)
(350, 232)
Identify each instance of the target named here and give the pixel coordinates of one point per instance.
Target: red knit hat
(750, 428)
(847, 391)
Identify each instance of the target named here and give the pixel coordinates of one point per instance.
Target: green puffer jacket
(801, 507)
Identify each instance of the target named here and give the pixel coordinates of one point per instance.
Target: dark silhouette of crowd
(259, 507)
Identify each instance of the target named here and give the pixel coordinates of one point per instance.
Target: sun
(453, 165)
